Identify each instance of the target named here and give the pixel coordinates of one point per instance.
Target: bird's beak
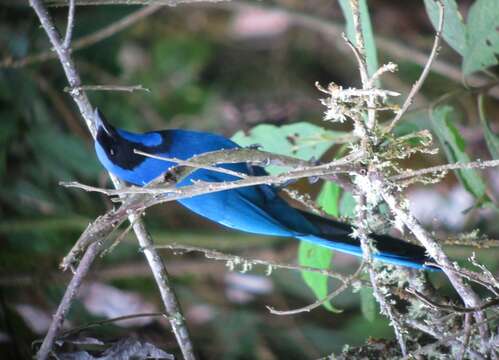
(100, 121)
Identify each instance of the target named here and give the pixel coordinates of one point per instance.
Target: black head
(117, 147)
(118, 150)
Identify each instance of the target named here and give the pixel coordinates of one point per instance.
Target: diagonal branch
(424, 74)
(155, 262)
(69, 295)
(442, 168)
(70, 24)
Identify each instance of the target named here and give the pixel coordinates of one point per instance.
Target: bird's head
(113, 147)
(116, 150)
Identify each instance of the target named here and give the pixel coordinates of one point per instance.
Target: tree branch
(69, 295)
(424, 74)
(144, 238)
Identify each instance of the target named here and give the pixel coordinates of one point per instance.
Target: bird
(257, 209)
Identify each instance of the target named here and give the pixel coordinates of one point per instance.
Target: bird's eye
(111, 151)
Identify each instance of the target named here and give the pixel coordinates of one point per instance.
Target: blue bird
(255, 209)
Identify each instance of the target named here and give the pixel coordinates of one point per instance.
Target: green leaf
(302, 140)
(367, 31)
(491, 139)
(347, 205)
(328, 198)
(454, 31)
(455, 150)
(483, 36)
(368, 304)
(305, 141)
(317, 256)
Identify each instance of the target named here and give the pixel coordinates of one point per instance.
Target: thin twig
(470, 298)
(426, 70)
(441, 168)
(359, 42)
(466, 337)
(130, 88)
(67, 299)
(172, 192)
(441, 340)
(92, 324)
(193, 164)
(475, 277)
(315, 23)
(366, 246)
(155, 262)
(362, 207)
(452, 308)
(129, 2)
(320, 302)
(236, 259)
(70, 24)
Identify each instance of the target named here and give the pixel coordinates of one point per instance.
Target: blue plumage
(255, 209)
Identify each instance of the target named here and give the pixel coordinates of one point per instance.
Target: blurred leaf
(317, 256)
(302, 140)
(347, 204)
(455, 150)
(368, 304)
(483, 36)
(454, 31)
(370, 45)
(239, 335)
(64, 155)
(180, 56)
(491, 138)
(328, 198)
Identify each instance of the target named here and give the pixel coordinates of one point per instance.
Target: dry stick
(142, 199)
(378, 294)
(471, 276)
(144, 238)
(306, 201)
(136, 204)
(320, 302)
(193, 164)
(424, 74)
(452, 308)
(360, 53)
(442, 340)
(67, 299)
(92, 324)
(85, 41)
(130, 88)
(366, 142)
(315, 23)
(70, 25)
(128, 2)
(203, 187)
(466, 337)
(469, 297)
(236, 259)
(248, 263)
(440, 168)
(393, 48)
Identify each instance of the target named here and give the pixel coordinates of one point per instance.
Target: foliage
(476, 41)
(203, 74)
(455, 149)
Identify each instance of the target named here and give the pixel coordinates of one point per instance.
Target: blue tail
(335, 235)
